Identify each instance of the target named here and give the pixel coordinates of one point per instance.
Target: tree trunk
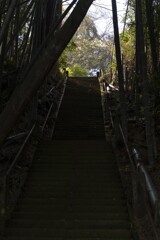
(152, 36)
(49, 14)
(138, 79)
(8, 18)
(40, 68)
(143, 74)
(120, 69)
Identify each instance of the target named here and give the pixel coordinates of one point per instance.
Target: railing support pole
(2, 204)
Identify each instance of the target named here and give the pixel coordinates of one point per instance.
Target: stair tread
(69, 233)
(100, 224)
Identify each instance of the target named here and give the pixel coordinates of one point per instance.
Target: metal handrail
(29, 135)
(123, 137)
(153, 197)
(12, 138)
(127, 148)
(150, 188)
(54, 87)
(47, 117)
(50, 109)
(56, 113)
(6, 175)
(27, 138)
(20, 151)
(111, 118)
(152, 192)
(4, 189)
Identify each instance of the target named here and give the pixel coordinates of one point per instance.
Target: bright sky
(102, 9)
(102, 14)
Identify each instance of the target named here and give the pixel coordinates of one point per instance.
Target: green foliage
(64, 58)
(113, 65)
(128, 45)
(87, 30)
(130, 21)
(77, 71)
(91, 51)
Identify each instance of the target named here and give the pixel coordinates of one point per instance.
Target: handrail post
(67, 74)
(157, 213)
(150, 188)
(98, 74)
(2, 204)
(138, 194)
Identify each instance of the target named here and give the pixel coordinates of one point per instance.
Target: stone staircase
(73, 190)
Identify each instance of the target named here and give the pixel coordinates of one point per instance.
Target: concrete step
(44, 201)
(77, 174)
(71, 215)
(67, 178)
(65, 188)
(80, 181)
(46, 194)
(73, 145)
(99, 216)
(70, 158)
(78, 201)
(76, 170)
(36, 232)
(99, 233)
(32, 238)
(82, 208)
(41, 208)
(68, 238)
(73, 164)
(99, 200)
(82, 224)
(79, 233)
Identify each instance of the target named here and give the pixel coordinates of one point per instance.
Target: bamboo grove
(24, 28)
(33, 38)
(138, 76)
(147, 74)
